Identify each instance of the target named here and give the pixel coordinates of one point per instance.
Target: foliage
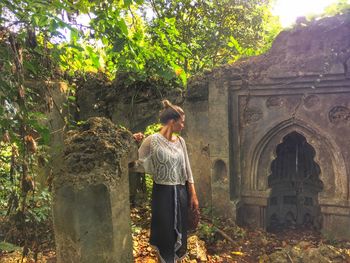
(339, 7)
(111, 37)
(336, 8)
(40, 207)
(8, 247)
(24, 136)
(206, 231)
(149, 185)
(152, 129)
(113, 40)
(212, 33)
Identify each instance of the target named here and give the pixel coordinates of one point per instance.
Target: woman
(164, 155)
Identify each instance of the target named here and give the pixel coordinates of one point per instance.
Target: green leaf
(123, 27)
(45, 135)
(118, 45)
(234, 43)
(37, 115)
(43, 21)
(167, 74)
(8, 247)
(127, 3)
(76, 47)
(74, 35)
(29, 65)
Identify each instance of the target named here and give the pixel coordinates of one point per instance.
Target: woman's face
(179, 124)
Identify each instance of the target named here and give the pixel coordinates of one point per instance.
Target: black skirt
(169, 221)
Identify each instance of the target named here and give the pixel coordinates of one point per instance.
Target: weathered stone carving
(339, 114)
(273, 101)
(252, 115)
(311, 101)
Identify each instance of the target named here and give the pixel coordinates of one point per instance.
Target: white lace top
(167, 161)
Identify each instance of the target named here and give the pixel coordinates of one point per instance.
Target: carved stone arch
(328, 156)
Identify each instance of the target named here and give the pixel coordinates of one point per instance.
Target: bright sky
(289, 10)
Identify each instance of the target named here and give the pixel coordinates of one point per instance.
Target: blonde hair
(170, 112)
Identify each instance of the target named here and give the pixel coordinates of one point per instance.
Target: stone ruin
(267, 139)
(268, 136)
(91, 194)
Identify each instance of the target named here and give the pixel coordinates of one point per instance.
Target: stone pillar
(220, 150)
(91, 195)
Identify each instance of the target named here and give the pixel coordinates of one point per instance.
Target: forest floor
(218, 241)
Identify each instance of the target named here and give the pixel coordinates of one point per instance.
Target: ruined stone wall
(91, 207)
(301, 85)
(138, 109)
(196, 135)
(236, 115)
(207, 136)
(134, 108)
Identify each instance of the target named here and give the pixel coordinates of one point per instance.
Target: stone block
(91, 195)
(336, 226)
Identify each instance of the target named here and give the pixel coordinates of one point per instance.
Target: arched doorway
(295, 184)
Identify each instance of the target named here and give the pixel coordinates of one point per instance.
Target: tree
(341, 6)
(215, 32)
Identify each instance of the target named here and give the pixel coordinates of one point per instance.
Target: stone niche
(276, 126)
(91, 207)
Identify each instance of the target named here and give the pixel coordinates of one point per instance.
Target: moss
(94, 152)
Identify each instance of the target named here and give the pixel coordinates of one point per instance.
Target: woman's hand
(194, 203)
(138, 136)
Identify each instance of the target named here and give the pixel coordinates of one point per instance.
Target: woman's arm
(193, 196)
(143, 164)
(190, 182)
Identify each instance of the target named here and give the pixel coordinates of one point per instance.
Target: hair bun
(167, 104)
